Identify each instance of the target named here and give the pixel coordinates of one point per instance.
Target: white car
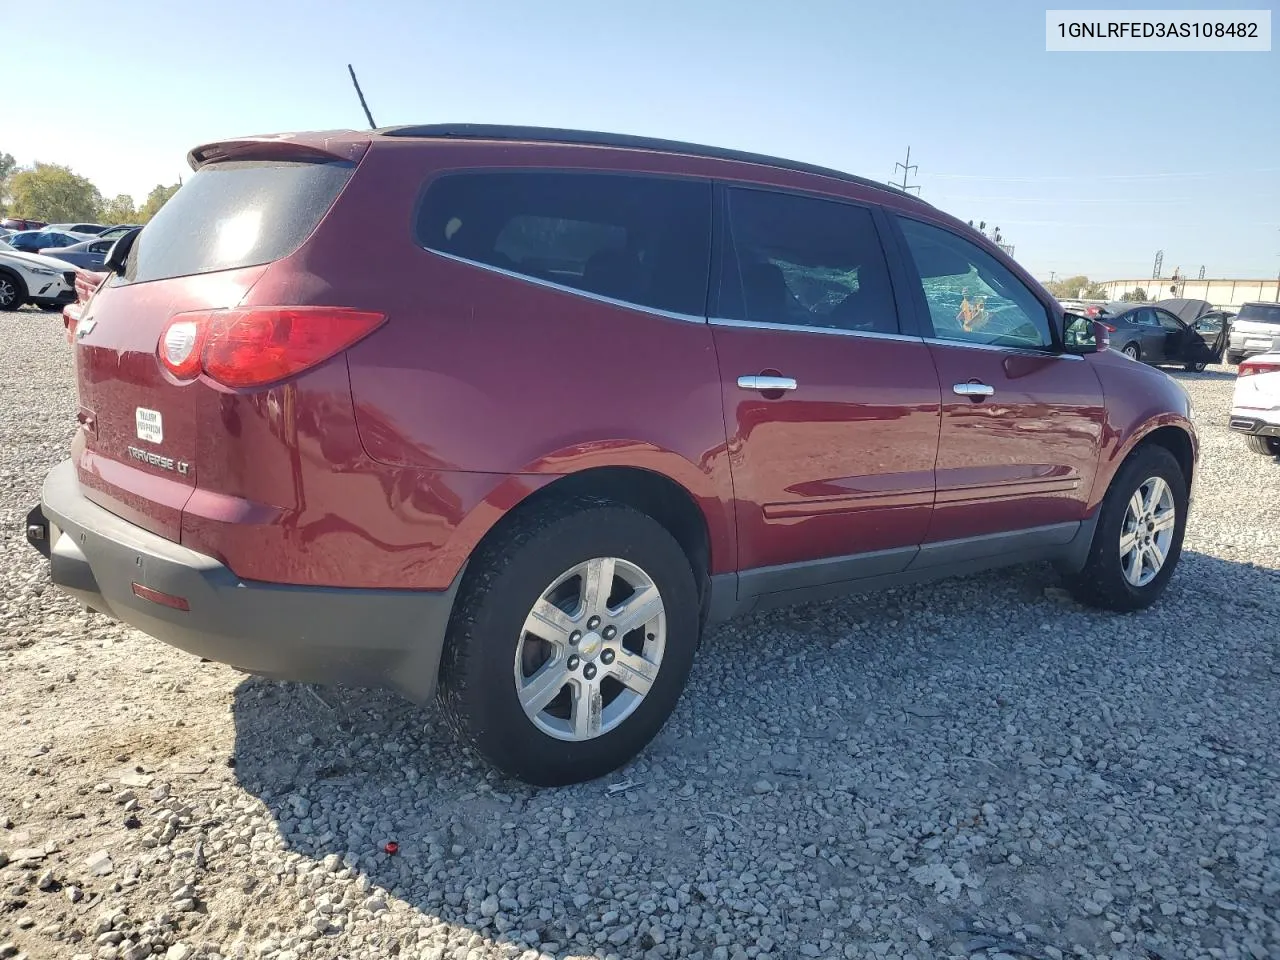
(1255, 329)
(33, 278)
(1255, 408)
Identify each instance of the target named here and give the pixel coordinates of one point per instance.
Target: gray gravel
(978, 768)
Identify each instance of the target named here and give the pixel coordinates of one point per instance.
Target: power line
(906, 168)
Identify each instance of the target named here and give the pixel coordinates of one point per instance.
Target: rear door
(140, 430)
(1021, 421)
(832, 406)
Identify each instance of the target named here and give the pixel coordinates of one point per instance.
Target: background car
(17, 223)
(1255, 407)
(31, 278)
(1255, 329)
(92, 229)
(89, 254)
(1153, 335)
(33, 241)
(118, 230)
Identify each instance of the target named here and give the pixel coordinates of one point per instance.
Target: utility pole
(907, 168)
(1052, 275)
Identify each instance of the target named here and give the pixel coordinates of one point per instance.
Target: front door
(1021, 421)
(832, 411)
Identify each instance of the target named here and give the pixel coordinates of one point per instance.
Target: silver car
(1255, 329)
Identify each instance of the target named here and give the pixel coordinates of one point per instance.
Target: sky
(1088, 162)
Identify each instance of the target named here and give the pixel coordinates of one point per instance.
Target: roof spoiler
(286, 146)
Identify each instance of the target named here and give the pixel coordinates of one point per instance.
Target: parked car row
(81, 249)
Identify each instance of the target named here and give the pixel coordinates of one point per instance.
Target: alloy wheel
(8, 293)
(590, 649)
(1147, 532)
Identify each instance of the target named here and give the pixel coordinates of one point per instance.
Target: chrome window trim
(1020, 351)
(565, 288)
(801, 328)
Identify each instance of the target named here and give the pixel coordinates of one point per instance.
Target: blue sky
(1088, 162)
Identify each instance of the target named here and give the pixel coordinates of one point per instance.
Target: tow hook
(38, 530)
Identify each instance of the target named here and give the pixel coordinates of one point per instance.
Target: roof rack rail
(495, 131)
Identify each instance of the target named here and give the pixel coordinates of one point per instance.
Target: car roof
(350, 144)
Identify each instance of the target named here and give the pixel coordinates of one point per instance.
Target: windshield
(1260, 313)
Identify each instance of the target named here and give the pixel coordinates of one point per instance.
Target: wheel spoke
(1127, 542)
(549, 622)
(1136, 505)
(1157, 554)
(587, 708)
(638, 609)
(1166, 520)
(634, 672)
(1133, 565)
(542, 687)
(597, 582)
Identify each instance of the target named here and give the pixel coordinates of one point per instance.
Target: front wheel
(1267, 446)
(1138, 539)
(13, 292)
(571, 642)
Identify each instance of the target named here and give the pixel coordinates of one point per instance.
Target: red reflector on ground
(164, 599)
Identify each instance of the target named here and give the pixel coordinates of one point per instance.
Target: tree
(51, 192)
(1077, 288)
(1136, 295)
(119, 209)
(156, 199)
(7, 166)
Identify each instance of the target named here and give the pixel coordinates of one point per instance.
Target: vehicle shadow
(345, 772)
(1207, 374)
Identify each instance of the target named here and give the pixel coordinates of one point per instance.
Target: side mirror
(1081, 335)
(119, 252)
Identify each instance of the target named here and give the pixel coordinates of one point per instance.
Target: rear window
(1260, 313)
(642, 240)
(233, 215)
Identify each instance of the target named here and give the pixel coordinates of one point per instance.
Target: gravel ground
(977, 768)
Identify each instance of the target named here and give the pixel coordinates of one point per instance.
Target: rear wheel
(1196, 367)
(1267, 446)
(13, 292)
(571, 642)
(1138, 539)
(1131, 351)
(1234, 357)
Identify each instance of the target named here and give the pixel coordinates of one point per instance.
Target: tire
(13, 292)
(1132, 351)
(50, 307)
(1103, 581)
(1195, 367)
(1267, 446)
(1234, 358)
(488, 643)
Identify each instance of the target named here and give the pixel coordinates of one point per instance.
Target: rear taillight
(258, 346)
(1249, 367)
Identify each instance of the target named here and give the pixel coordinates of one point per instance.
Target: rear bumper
(380, 638)
(1251, 345)
(1247, 421)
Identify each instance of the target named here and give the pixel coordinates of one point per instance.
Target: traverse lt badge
(150, 425)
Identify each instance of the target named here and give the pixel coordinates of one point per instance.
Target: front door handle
(973, 390)
(766, 384)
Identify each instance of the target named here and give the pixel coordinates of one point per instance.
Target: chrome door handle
(765, 384)
(973, 390)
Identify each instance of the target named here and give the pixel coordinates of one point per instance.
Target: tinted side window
(971, 296)
(643, 240)
(805, 262)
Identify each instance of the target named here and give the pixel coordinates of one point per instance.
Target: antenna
(360, 94)
(907, 168)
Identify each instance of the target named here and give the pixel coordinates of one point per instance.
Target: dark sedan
(33, 241)
(1154, 335)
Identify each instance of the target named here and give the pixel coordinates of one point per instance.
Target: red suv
(516, 413)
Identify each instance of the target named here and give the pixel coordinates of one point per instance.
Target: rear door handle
(973, 390)
(766, 384)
